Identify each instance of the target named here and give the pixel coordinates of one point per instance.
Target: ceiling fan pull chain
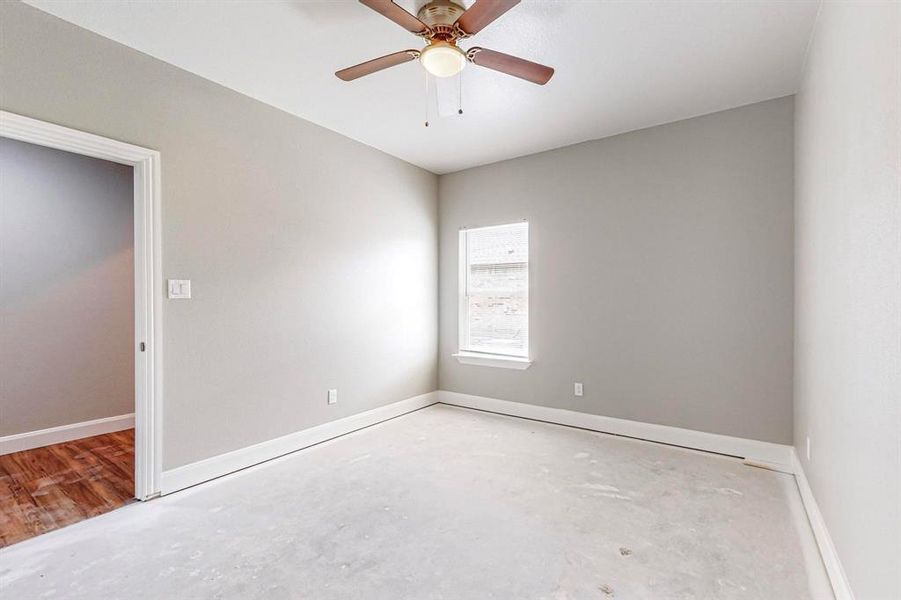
(427, 99)
(460, 93)
(437, 99)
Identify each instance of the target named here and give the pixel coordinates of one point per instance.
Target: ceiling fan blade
(482, 13)
(511, 65)
(377, 64)
(392, 11)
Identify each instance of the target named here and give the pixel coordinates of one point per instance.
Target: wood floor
(47, 488)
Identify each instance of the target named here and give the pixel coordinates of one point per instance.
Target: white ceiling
(620, 66)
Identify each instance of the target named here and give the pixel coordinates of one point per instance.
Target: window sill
(493, 360)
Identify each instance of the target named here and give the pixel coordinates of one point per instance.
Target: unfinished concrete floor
(447, 503)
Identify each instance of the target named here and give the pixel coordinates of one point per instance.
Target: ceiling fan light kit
(442, 23)
(442, 59)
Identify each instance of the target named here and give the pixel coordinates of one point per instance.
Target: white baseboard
(217, 466)
(776, 455)
(840, 586)
(64, 433)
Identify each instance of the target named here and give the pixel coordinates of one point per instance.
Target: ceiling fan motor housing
(441, 16)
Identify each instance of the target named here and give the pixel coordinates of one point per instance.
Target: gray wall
(848, 287)
(313, 257)
(66, 288)
(661, 273)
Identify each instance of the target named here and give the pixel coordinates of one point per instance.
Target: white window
(494, 295)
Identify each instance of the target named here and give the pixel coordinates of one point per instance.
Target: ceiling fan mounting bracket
(459, 33)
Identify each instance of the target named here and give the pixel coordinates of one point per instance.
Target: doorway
(81, 326)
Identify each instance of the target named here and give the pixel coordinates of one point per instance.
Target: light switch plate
(333, 396)
(179, 288)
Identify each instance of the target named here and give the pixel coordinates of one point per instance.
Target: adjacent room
(462, 299)
(66, 357)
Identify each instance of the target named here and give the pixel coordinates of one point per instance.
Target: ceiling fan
(442, 23)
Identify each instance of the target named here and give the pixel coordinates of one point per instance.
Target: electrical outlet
(808, 447)
(333, 396)
(577, 389)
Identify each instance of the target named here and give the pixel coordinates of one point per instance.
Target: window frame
(465, 354)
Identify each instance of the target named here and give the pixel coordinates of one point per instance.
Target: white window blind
(494, 302)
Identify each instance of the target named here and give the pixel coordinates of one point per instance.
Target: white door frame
(148, 276)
